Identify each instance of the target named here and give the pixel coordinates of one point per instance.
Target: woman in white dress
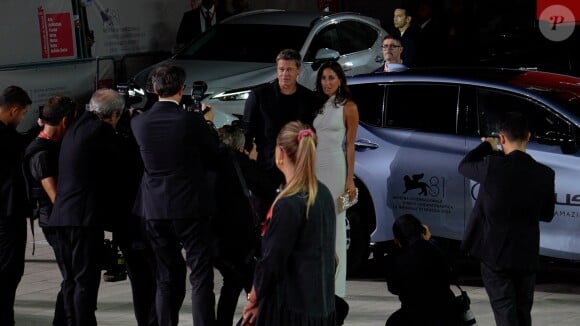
(336, 125)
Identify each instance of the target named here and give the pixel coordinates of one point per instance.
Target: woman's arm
(351, 119)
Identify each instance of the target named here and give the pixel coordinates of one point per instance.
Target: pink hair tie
(305, 132)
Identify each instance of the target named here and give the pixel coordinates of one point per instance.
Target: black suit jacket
(13, 202)
(267, 110)
(190, 25)
(87, 169)
(176, 147)
(515, 193)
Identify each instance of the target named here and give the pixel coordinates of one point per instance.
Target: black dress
(294, 278)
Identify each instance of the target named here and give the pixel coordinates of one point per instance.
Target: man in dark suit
(270, 106)
(515, 193)
(87, 167)
(198, 20)
(177, 148)
(406, 31)
(14, 103)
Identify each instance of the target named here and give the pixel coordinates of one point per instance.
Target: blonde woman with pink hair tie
(294, 278)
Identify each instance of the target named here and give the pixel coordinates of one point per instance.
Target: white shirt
(202, 14)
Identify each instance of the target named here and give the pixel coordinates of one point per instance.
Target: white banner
(132, 26)
(75, 80)
(36, 31)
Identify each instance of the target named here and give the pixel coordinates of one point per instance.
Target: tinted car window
(369, 100)
(345, 37)
(325, 38)
(491, 104)
(430, 108)
(355, 36)
(242, 42)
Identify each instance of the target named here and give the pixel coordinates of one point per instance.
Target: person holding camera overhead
(177, 148)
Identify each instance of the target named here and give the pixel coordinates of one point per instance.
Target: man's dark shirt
(41, 160)
(13, 202)
(267, 110)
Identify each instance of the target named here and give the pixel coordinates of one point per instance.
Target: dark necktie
(208, 17)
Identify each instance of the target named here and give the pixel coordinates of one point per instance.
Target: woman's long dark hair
(343, 92)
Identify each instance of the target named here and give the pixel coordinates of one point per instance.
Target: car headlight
(232, 95)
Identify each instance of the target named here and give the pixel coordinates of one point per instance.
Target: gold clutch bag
(345, 201)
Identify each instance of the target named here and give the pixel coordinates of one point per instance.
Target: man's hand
(208, 115)
(493, 141)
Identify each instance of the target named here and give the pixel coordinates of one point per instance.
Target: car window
(355, 36)
(425, 107)
(369, 100)
(491, 104)
(242, 42)
(345, 37)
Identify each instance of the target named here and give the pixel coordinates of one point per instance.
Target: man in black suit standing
(14, 209)
(177, 148)
(198, 20)
(515, 193)
(87, 169)
(269, 107)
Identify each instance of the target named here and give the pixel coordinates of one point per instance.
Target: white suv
(239, 53)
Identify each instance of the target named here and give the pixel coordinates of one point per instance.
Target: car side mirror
(566, 141)
(323, 55)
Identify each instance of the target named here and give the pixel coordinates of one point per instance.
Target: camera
(132, 93)
(193, 104)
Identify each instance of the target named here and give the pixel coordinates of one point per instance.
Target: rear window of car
(423, 107)
(245, 42)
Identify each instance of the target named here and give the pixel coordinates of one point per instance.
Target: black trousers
(511, 294)
(79, 257)
(167, 238)
(141, 268)
(59, 312)
(12, 250)
(236, 277)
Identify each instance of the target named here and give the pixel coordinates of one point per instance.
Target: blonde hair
(299, 143)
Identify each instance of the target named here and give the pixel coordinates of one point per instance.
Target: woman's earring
(279, 162)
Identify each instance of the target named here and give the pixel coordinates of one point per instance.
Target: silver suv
(417, 125)
(239, 53)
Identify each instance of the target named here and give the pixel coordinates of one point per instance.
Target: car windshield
(565, 97)
(244, 42)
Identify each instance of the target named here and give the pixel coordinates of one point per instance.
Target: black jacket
(421, 276)
(267, 110)
(177, 147)
(87, 170)
(13, 200)
(190, 25)
(515, 193)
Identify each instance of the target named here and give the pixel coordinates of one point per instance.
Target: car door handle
(363, 144)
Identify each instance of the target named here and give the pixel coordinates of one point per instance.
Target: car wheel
(357, 238)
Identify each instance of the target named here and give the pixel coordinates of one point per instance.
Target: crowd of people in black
(165, 180)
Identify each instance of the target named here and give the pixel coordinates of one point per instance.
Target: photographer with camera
(129, 236)
(173, 196)
(420, 274)
(88, 168)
